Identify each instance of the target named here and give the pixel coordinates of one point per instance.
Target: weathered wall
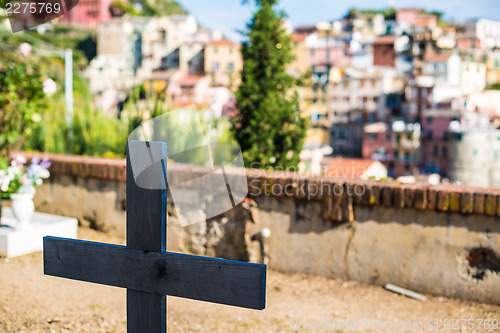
(422, 250)
(441, 240)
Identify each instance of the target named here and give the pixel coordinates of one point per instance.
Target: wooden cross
(149, 272)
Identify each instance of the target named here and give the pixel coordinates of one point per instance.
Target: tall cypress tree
(268, 126)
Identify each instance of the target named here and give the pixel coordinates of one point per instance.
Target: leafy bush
(95, 133)
(91, 132)
(22, 103)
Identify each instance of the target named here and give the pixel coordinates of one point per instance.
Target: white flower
(40, 172)
(4, 184)
(36, 117)
(49, 86)
(25, 49)
(13, 171)
(39, 182)
(4, 181)
(20, 159)
(24, 180)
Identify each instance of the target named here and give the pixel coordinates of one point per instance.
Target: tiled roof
(347, 167)
(386, 40)
(222, 41)
(190, 80)
(437, 57)
(299, 37)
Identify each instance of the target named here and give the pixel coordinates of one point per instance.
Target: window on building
(429, 135)
(324, 100)
(93, 9)
(414, 93)
(389, 136)
(407, 167)
(215, 67)
(435, 151)
(407, 155)
(315, 88)
(408, 137)
(429, 120)
(475, 152)
(374, 83)
(312, 52)
(216, 50)
(444, 151)
(342, 134)
(327, 54)
(315, 100)
(398, 139)
(346, 85)
(495, 155)
(230, 50)
(230, 67)
(314, 118)
(361, 83)
(396, 154)
(372, 136)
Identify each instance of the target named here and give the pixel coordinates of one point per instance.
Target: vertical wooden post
(146, 230)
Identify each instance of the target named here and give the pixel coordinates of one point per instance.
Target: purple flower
(45, 163)
(29, 171)
(35, 160)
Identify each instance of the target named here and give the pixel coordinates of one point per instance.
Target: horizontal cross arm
(200, 278)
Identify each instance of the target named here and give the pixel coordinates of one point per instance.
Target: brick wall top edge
(115, 170)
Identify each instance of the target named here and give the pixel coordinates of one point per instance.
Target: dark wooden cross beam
(149, 272)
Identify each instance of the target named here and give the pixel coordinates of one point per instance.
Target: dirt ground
(32, 302)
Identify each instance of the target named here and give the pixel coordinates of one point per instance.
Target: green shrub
(22, 103)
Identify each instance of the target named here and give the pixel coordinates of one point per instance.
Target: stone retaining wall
(443, 240)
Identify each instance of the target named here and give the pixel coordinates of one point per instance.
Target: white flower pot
(22, 208)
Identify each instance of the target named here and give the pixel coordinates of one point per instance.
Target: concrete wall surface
(441, 240)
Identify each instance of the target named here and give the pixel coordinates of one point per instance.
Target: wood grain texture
(200, 278)
(146, 209)
(146, 230)
(144, 267)
(152, 321)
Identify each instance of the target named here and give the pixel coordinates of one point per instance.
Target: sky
(229, 16)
